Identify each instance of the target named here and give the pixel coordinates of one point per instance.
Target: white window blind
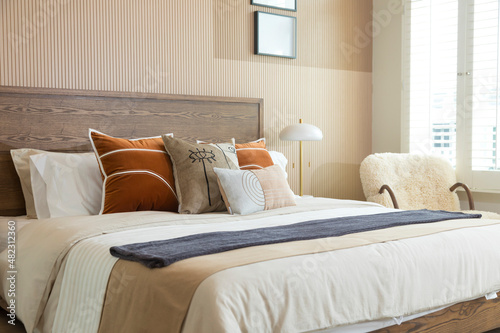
(484, 38)
(451, 85)
(432, 75)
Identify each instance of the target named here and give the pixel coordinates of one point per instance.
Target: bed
(73, 284)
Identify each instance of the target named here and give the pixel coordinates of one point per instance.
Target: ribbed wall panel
(203, 47)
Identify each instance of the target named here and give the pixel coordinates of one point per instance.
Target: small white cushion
(250, 191)
(65, 184)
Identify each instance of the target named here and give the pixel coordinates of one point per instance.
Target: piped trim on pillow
(132, 149)
(253, 155)
(253, 166)
(239, 149)
(124, 186)
(146, 172)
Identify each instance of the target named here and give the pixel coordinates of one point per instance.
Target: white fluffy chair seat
(418, 181)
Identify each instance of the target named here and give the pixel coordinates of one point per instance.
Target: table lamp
(301, 132)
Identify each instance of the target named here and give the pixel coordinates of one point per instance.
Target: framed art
(275, 35)
(280, 4)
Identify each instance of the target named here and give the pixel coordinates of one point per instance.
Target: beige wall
(205, 47)
(387, 76)
(387, 89)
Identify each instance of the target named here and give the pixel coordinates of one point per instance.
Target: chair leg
(391, 193)
(468, 191)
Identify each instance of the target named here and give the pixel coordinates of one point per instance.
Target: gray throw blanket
(162, 253)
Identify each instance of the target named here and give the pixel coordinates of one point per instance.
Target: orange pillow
(253, 155)
(137, 174)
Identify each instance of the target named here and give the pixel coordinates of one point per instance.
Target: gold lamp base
(301, 132)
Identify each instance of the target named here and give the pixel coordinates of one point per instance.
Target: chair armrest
(391, 193)
(467, 190)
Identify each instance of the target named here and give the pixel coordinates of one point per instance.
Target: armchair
(408, 181)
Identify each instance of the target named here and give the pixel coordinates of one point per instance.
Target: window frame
(479, 181)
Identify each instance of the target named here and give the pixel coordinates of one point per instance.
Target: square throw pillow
(137, 174)
(253, 155)
(65, 184)
(227, 149)
(195, 180)
(250, 191)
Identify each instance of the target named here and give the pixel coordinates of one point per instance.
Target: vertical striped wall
(205, 47)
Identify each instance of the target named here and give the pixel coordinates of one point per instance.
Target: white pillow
(21, 159)
(279, 159)
(65, 184)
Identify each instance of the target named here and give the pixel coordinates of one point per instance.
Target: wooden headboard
(58, 120)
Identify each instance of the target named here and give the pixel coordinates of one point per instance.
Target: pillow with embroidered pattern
(195, 180)
(227, 148)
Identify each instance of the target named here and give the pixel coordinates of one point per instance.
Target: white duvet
(64, 264)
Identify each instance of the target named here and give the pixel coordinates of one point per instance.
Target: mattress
(62, 285)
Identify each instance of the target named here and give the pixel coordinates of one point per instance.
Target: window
(452, 85)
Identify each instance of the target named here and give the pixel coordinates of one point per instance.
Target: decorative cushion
(65, 184)
(137, 174)
(195, 180)
(21, 159)
(249, 191)
(227, 149)
(253, 155)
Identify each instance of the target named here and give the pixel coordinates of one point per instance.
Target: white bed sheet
(302, 293)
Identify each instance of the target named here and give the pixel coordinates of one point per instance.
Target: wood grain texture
(479, 315)
(11, 196)
(58, 120)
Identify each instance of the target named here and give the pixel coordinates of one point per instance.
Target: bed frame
(58, 120)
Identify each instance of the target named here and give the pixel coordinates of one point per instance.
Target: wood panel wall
(205, 47)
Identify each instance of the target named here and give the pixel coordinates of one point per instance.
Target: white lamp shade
(301, 132)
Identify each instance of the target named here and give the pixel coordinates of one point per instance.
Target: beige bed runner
(158, 299)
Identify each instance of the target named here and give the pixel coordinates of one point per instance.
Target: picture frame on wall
(275, 35)
(280, 4)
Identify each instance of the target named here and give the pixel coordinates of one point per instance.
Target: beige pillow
(195, 180)
(250, 191)
(227, 149)
(21, 159)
